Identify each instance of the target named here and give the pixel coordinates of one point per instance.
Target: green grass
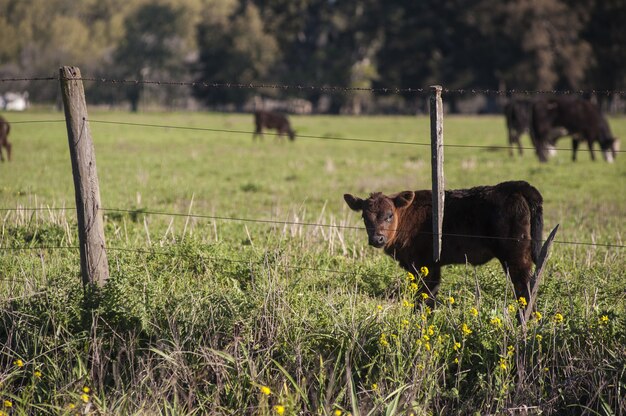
(201, 312)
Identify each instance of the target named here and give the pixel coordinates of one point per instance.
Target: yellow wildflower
(424, 271)
(265, 390)
(8, 403)
(456, 346)
(537, 315)
(510, 350)
(538, 337)
(474, 312)
(511, 308)
(495, 321)
(84, 397)
(374, 386)
(379, 307)
(456, 360)
(424, 295)
(604, 319)
(502, 364)
(383, 340)
(413, 287)
(522, 301)
(465, 329)
(86, 389)
(427, 346)
(19, 363)
(337, 412)
(405, 322)
(407, 304)
(410, 277)
(431, 330)
(426, 338)
(37, 373)
(558, 317)
(71, 406)
(451, 300)
(279, 409)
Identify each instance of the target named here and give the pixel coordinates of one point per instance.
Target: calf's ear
(355, 203)
(403, 199)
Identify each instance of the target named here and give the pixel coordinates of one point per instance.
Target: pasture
(267, 299)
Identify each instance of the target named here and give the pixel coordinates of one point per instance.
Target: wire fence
(409, 90)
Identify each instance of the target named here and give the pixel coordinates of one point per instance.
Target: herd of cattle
(548, 119)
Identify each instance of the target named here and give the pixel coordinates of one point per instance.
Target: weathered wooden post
(94, 265)
(436, 146)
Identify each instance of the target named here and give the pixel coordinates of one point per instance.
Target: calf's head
(380, 214)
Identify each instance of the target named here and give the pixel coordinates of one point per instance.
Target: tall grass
(207, 316)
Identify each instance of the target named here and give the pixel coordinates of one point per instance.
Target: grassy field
(248, 307)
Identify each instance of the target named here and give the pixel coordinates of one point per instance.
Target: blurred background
(369, 45)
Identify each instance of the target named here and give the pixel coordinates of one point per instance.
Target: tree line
(377, 44)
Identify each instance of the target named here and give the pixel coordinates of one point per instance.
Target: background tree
(234, 48)
(152, 47)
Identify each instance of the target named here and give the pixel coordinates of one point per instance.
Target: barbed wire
(327, 88)
(322, 225)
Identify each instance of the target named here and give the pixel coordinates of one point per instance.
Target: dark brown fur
(579, 117)
(5, 128)
(270, 120)
(504, 221)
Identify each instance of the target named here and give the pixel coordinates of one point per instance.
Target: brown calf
(5, 128)
(504, 221)
(270, 120)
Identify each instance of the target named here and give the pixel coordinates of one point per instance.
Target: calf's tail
(535, 202)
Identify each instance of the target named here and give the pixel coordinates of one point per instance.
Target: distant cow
(517, 114)
(271, 120)
(582, 120)
(5, 128)
(504, 221)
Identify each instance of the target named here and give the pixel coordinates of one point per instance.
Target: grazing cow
(504, 221)
(5, 128)
(271, 120)
(517, 114)
(579, 117)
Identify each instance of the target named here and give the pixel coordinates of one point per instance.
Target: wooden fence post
(436, 147)
(94, 265)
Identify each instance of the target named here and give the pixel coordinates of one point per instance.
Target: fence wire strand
(406, 143)
(308, 224)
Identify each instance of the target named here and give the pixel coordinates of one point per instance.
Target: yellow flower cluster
(265, 390)
(604, 319)
(383, 340)
(279, 409)
(537, 315)
(522, 301)
(502, 364)
(558, 318)
(424, 271)
(465, 329)
(497, 322)
(473, 312)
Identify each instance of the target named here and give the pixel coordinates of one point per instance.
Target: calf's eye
(388, 217)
